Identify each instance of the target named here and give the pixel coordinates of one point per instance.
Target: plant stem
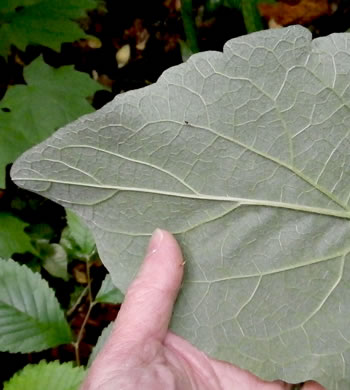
(77, 303)
(189, 25)
(251, 15)
(91, 305)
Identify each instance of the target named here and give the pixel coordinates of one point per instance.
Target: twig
(77, 303)
(76, 344)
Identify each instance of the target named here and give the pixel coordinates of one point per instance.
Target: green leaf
(78, 238)
(101, 341)
(13, 142)
(55, 260)
(8, 6)
(41, 232)
(51, 98)
(244, 155)
(108, 293)
(41, 22)
(13, 239)
(30, 316)
(53, 375)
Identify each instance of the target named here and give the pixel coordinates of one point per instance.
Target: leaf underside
(244, 155)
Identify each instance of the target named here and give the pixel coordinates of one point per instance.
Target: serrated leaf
(31, 319)
(79, 235)
(53, 375)
(45, 22)
(100, 343)
(13, 238)
(51, 98)
(244, 155)
(109, 293)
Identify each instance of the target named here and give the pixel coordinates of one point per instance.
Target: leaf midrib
(243, 201)
(48, 325)
(196, 195)
(242, 145)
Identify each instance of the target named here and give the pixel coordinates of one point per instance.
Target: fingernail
(155, 241)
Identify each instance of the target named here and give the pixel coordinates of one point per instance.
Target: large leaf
(44, 375)
(244, 155)
(51, 98)
(30, 316)
(13, 239)
(41, 22)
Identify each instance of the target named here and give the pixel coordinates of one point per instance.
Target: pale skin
(142, 353)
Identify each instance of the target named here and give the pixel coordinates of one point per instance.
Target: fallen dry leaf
(173, 5)
(123, 55)
(79, 273)
(300, 12)
(139, 33)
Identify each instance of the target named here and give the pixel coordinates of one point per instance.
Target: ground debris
(294, 12)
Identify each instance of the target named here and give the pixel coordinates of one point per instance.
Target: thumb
(149, 301)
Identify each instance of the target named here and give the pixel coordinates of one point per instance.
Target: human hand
(142, 353)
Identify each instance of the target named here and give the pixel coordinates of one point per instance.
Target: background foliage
(41, 22)
(41, 91)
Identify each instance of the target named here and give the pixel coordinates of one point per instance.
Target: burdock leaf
(245, 156)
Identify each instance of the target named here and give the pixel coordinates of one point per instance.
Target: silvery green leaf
(244, 155)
